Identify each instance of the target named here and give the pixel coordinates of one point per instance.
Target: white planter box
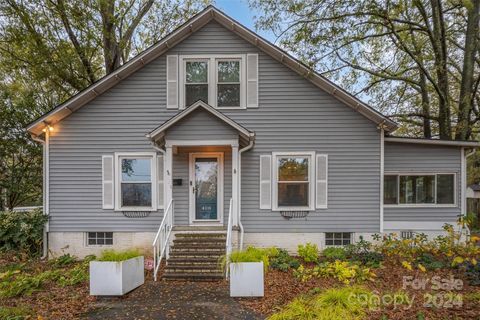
(246, 279)
(108, 278)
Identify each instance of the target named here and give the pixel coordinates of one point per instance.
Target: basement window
(338, 238)
(99, 238)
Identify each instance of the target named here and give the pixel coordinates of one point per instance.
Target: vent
(407, 234)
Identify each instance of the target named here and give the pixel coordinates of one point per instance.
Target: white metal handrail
(229, 244)
(162, 238)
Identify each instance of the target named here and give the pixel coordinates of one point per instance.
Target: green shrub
(22, 231)
(251, 254)
(334, 253)
(363, 253)
(283, 261)
(14, 313)
(332, 304)
(344, 271)
(308, 252)
(429, 261)
(472, 272)
(112, 255)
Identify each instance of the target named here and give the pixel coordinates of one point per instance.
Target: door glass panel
(206, 178)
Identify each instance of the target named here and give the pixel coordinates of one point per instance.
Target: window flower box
(115, 278)
(246, 279)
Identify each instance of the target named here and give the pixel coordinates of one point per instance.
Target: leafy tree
(20, 157)
(416, 60)
(52, 49)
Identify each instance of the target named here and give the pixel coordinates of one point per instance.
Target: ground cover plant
(31, 288)
(416, 278)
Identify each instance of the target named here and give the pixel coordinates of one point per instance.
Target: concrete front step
(192, 271)
(193, 277)
(201, 235)
(195, 256)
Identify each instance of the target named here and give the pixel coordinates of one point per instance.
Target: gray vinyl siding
(416, 158)
(200, 125)
(293, 115)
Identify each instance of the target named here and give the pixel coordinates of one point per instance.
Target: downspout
(46, 189)
(239, 197)
(382, 174)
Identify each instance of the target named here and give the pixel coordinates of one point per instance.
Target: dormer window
(216, 80)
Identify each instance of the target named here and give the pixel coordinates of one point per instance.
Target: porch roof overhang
(245, 136)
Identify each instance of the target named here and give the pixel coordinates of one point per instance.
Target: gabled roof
(210, 13)
(159, 131)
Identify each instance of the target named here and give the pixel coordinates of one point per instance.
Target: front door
(206, 188)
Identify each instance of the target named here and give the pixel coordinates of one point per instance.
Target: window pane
(390, 190)
(417, 189)
(195, 92)
(136, 169)
(196, 72)
(293, 194)
(228, 95)
(229, 71)
(136, 194)
(92, 242)
(445, 188)
(293, 169)
(108, 241)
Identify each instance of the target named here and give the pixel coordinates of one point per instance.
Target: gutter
(239, 197)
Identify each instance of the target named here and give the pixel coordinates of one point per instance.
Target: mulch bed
(283, 287)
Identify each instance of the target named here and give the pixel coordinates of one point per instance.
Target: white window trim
(423, 205)
(153, 174)
(212, 77)
(311, 180)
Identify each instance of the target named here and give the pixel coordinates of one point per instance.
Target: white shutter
(321, 185)
(265, 182)
(160, 195)
(107, 182)
(172, 82)
(252, 80)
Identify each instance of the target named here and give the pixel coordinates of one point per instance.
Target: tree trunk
(466, 87)
(427, 128)
(440, 51)
(110, 43)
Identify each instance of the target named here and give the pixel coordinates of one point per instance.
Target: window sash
(310, 178)
(186, 61)
(435, 202)
(135, 158)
